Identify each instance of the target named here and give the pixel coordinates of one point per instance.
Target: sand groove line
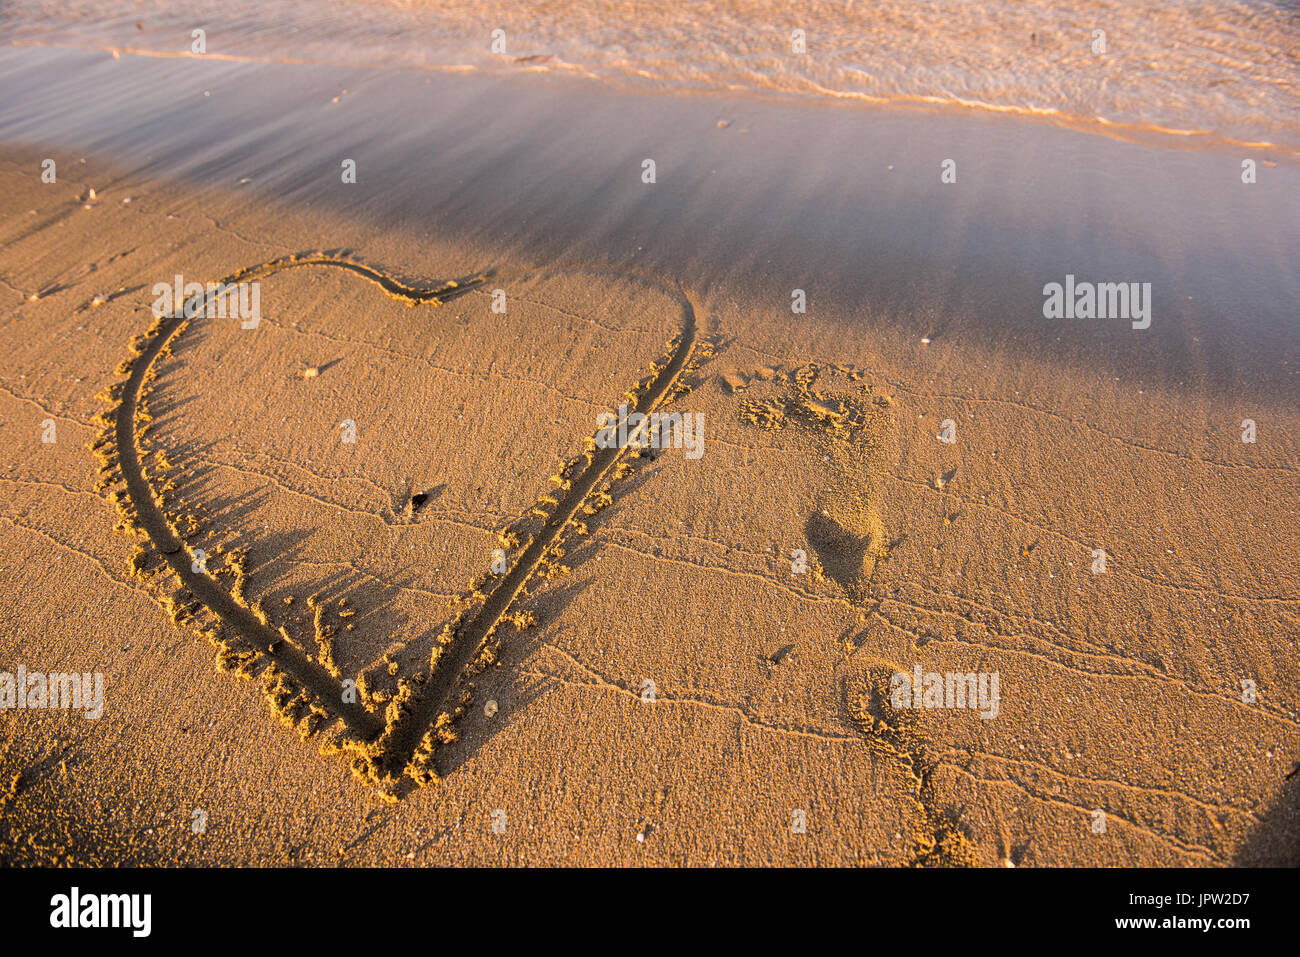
(969, 754)
(406, 733)
(1166, 678)
(59, 543)
(604, 682)
(473, 634)
(947, 495)
(1135, 668)
(1169, 840)
(294, 661)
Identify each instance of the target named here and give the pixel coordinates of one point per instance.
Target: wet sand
(1121, 691)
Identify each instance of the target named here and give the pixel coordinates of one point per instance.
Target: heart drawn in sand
(389, 712)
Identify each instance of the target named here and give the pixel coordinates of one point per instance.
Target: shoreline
(1023, 172)
(1150, 134)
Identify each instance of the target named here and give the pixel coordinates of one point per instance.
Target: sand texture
(365, 588)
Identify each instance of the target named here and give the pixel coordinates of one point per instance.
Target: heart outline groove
(394, 749)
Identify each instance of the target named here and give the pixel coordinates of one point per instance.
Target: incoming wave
(1199, 72)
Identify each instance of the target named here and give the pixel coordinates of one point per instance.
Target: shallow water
(1200, 72)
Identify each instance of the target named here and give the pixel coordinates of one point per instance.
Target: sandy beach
(435, 621)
